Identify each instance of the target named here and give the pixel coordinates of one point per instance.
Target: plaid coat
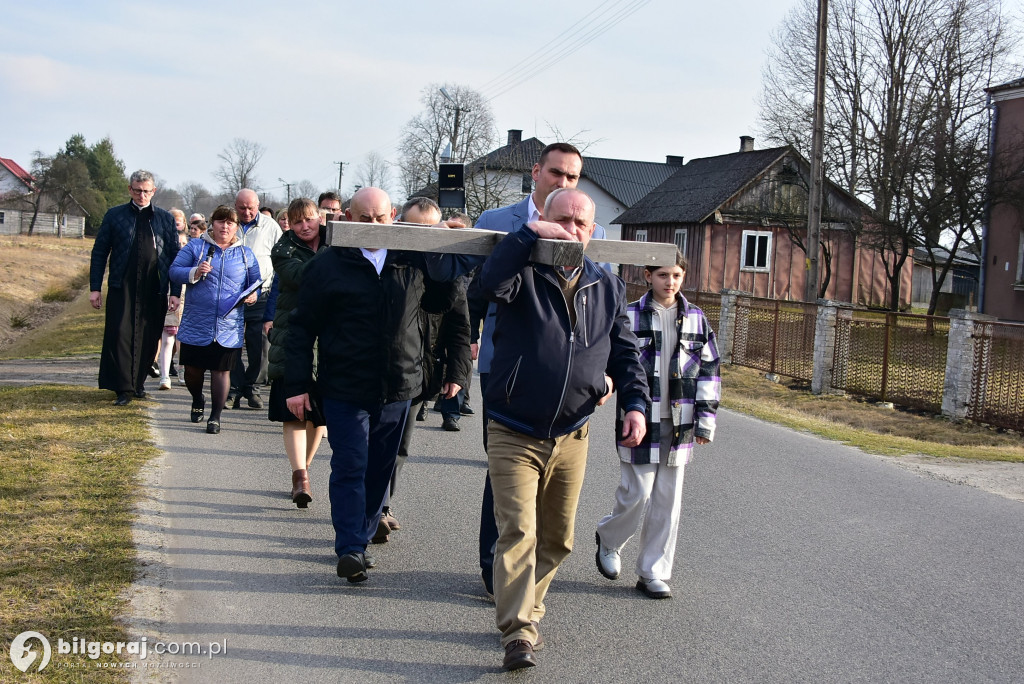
(694, 388)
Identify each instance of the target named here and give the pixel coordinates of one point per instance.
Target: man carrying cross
(362, 307)
(557, 332)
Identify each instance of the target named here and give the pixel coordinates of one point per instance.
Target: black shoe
(467, 410)
(213, 427)
(255, 401)
(236, 402)
(422, 414)
(450, 424)
(369, 561)
(519, 654)
(197, 412)
(140, 394)
(173, 372)
(352, 566)
(154, 372)
(123, 399)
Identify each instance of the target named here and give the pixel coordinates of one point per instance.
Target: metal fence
(997, 387)
(887, 356)
(892, 357)
(775, 336)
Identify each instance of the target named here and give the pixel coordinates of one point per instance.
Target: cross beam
(416, 238)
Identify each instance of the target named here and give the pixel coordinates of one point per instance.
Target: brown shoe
(539, 643)
(518, 654)
(301, 493)
(389, 517)
(382, 533)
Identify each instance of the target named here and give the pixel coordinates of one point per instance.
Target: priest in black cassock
(140, 242)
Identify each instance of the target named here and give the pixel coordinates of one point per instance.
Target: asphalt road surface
(799, 560)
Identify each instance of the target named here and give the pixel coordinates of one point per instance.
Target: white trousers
(655, 492)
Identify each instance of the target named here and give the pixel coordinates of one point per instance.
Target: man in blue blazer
(560, 166)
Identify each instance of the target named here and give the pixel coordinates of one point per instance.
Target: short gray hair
(141, 176)
(575, 191)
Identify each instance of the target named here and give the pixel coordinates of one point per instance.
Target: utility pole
(814, 198)
(455, 128)
(341, 168)
(288, 186)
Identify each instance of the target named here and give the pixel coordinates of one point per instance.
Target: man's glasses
(140, 191)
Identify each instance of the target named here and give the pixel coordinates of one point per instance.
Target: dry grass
(68, 475)
(75, 329)
(34, 267)
(863, 424)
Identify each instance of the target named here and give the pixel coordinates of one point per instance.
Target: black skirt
(278, 412)
(211, 357)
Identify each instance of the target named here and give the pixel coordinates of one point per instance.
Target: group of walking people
(348, 353)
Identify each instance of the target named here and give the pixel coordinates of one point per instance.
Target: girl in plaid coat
(680, 356)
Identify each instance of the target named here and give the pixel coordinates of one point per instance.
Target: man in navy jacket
(140, 242)
(561, 343)
(559, 166)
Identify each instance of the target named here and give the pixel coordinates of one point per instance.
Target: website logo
(22, 654)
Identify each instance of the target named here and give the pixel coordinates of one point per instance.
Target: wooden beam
(416, 238)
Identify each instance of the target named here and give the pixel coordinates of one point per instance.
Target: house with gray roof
(503, 177)
(741, 221)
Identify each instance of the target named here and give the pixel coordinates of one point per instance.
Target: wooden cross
(417, 238)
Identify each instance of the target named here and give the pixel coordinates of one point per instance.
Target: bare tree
(195, 197)
(904, 108)
(426, 135)
(238, 164)
(374, 171)
(305, 188)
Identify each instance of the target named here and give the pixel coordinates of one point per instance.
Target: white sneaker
(653, 588)
(608, 562)
(165, 383)
(181, 378)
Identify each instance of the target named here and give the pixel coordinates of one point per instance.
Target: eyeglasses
(140, 191)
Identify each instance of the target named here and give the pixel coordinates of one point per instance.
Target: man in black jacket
(561, 342)
(140, 241)
(362, 307)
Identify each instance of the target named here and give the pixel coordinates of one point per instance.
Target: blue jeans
(363, 445)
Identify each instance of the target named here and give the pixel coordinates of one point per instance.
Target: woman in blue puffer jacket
(216, 270)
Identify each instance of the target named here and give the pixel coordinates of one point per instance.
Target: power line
(500, 77)
(546, 60)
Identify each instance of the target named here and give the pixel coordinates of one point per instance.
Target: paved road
(799, 560)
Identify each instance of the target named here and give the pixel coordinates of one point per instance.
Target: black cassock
(134, 316)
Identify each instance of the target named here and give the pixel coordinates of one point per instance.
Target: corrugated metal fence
(997, 388)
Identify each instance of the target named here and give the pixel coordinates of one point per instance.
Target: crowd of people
(354, 341)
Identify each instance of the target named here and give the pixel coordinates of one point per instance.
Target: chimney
(746, 143)
(673, 160)
(514, 136)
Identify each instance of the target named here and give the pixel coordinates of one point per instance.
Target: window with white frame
(641, 235)
(757, 247)
(679, 238)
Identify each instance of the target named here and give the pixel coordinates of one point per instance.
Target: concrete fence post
(960, 349)
(825, 343)
(727, 325)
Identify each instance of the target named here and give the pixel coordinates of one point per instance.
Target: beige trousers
(536, 486)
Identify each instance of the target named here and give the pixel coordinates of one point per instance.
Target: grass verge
(76, 330)
(863, 424)
(69, 464)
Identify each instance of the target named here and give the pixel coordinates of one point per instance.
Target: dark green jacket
(289, 256)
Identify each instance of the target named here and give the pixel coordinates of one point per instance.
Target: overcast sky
(320, 82)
